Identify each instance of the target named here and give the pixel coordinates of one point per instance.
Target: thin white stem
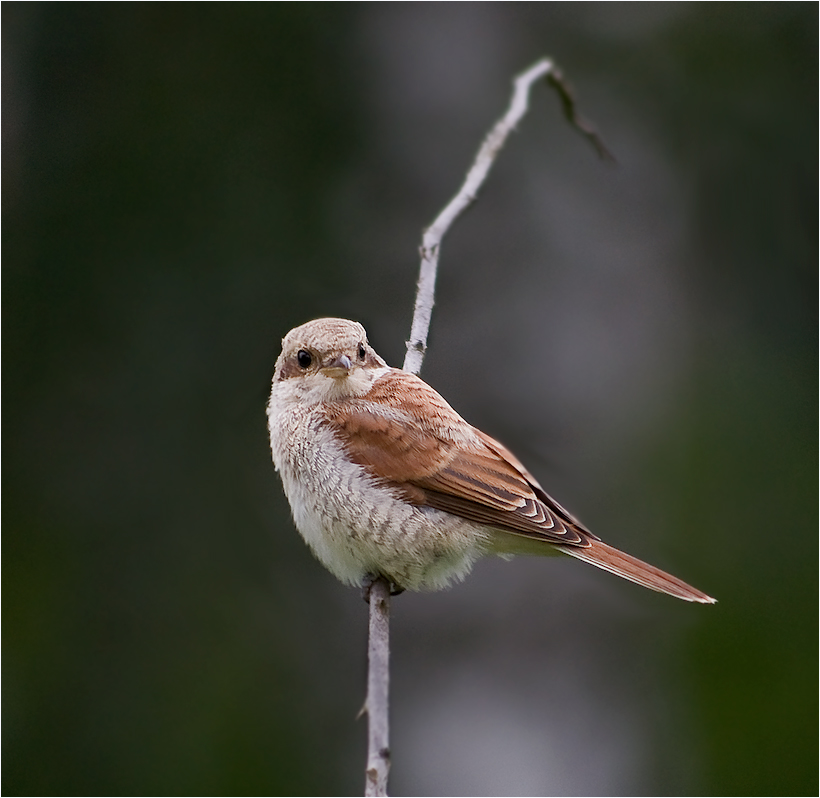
(378, 689)
(433, 235)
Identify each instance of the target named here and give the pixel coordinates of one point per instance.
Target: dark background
(182, 184)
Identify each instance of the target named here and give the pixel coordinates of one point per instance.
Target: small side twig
(558, 82)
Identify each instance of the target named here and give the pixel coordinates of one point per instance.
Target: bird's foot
(367, 584)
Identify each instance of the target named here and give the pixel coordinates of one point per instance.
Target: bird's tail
(628, 567)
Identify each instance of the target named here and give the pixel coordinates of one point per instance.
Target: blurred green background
(183, 183)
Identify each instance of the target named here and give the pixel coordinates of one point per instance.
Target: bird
(385, 479)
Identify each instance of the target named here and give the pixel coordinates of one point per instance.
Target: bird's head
(327, 359)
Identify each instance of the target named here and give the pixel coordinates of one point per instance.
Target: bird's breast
(358, 526)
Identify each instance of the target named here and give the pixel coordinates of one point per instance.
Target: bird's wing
(407, 436)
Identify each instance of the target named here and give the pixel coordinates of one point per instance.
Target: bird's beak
(338, 367)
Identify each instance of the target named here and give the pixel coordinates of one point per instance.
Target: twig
(378, 756)
(378, 689)
(558, 82)
(431, 241)
(433, 235)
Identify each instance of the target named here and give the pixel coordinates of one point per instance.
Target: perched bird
(384, 478)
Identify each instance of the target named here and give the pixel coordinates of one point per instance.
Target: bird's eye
(362, 352)
(303, 358)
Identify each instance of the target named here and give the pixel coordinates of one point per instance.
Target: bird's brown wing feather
(408, 437)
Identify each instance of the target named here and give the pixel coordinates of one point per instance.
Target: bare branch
(376, 705)
(431, 241)
(378, 689)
